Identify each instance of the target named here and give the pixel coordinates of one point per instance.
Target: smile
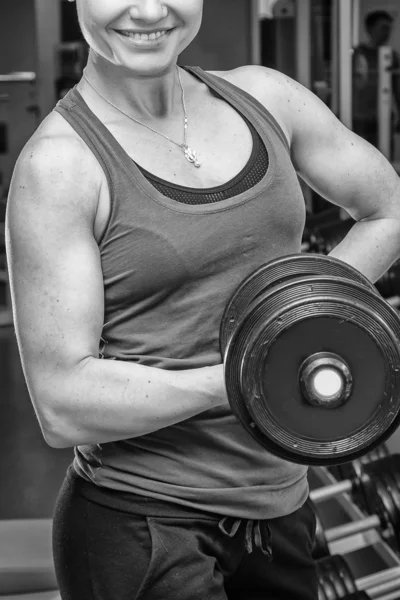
(145, 37)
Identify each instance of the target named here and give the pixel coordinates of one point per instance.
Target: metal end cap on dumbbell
(325, 380)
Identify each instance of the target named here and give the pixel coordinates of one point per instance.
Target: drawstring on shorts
(230, 526)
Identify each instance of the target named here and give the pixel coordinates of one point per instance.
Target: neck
(144, 97)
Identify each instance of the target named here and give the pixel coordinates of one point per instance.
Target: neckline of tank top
(147, 187)
(223, 187)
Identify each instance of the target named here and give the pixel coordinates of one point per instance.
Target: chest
(218, 134)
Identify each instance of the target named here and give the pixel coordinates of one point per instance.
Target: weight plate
(295, 320)
(392, 464)
(337, 584)
(387, 510)
(343, 572)
(327, 586)
(391, 499)
(320, 547)
(279, 271)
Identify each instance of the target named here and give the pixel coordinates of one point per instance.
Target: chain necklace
(190, 154)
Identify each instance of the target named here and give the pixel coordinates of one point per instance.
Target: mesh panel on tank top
(248, 177)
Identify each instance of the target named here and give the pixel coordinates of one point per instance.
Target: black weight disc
(291, 322)
(389, 513)
(320, 547)
(327, 586)
(343, 572)
(326, 581)
(393, 465)
(279, 271)
(391, 501)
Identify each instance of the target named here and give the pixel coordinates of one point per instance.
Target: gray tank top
(169, 269)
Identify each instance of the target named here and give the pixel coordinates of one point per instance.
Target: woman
(136, 209)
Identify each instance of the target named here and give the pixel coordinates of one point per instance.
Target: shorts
(110, 545)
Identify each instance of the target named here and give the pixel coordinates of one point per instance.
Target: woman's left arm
(349, 172)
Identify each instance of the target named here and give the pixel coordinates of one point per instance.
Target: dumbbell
(355, 471)
(336, 581)
(311, 357)
(379, 486)
(352, 477)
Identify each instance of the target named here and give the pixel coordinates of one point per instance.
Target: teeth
(144, 36)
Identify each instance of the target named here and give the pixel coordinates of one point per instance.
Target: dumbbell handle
(392, 596)
(343, 531)
(384, 588)
(371, 581)
(331, 491)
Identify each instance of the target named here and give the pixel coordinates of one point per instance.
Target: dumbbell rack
(389, 560)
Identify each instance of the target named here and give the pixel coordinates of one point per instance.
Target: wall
(17, 35)
(223, 42)
(48, 29)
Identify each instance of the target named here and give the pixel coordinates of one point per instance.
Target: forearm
(110, 400)
(371, 246)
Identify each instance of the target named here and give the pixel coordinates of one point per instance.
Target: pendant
(191, 155)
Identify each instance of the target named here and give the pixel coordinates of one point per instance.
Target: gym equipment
(378, 486)
(352, 469)
(312, 361)
(353, 477)
(336, 581)
(358, 471)
(389, 284)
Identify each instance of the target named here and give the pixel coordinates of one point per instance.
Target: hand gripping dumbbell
(312, 360)
(381, 496)
(336, 581)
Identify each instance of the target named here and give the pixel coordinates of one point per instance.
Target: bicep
(338, 164)
(55, 272)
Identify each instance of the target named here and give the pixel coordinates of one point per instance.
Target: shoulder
(56, 134)
(258, 81)
(277, 92)
(58, 165)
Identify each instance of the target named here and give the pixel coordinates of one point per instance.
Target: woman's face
(116, 31)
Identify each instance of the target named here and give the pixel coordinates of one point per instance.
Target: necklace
(190, 154)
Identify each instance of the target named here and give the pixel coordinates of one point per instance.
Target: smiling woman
(136, 209)
(103, 23)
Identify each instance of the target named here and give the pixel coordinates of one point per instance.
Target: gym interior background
(42, 55)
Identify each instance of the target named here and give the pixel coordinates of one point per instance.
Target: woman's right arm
(58, 301)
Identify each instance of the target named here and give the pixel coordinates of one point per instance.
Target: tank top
(249, 176)
(169, 269)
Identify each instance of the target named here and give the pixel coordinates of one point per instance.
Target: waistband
(257, 533)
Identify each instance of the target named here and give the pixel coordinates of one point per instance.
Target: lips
(145, 35)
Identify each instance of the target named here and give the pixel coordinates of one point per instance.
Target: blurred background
(327, 45)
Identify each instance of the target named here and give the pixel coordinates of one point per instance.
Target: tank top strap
(242, 99)
(95, 134)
